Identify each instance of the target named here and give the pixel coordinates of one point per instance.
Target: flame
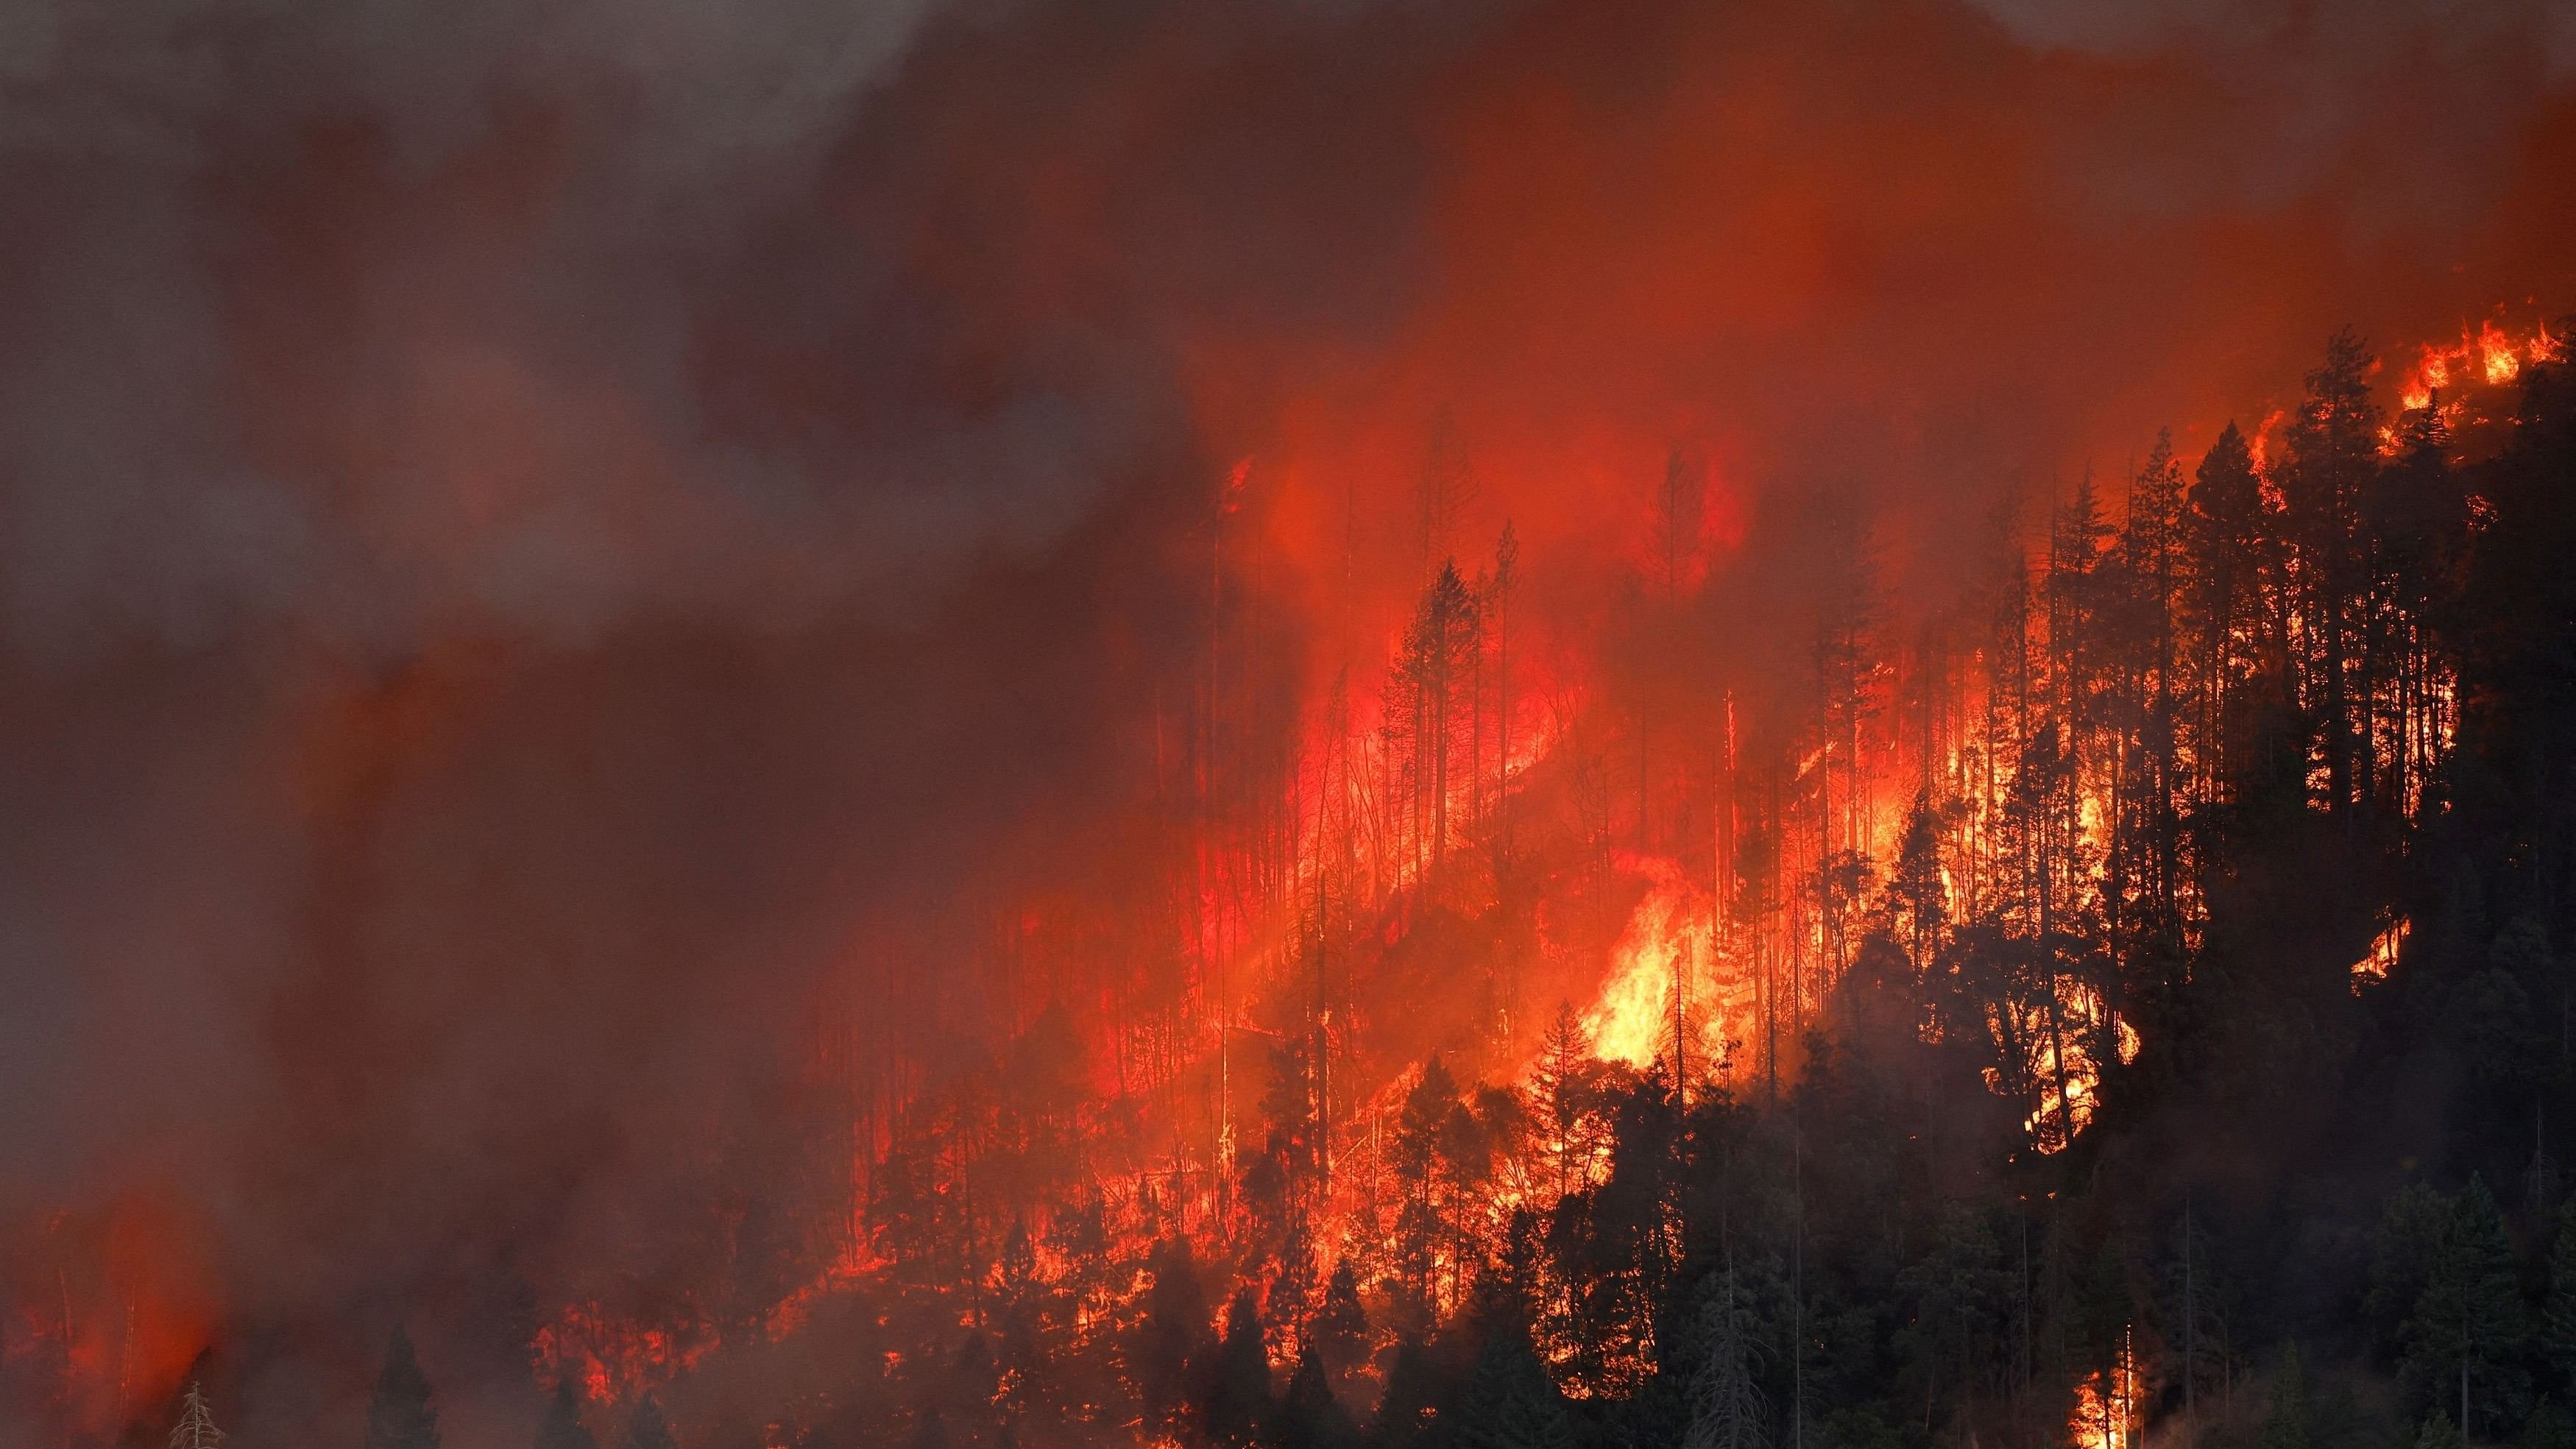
(612, 1357)
(1632, 1022)
(1356, 847)
(1669, 938)
(2490, 356)
(2068, 1086)
(2376, 962)
(2106, 1411)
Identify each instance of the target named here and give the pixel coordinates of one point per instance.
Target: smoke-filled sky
(522, 524)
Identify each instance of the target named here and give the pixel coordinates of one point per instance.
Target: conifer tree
(2558, 1309)
(2468, 1333)
(646, 1428)
(2332, 454)
(2225, 536)
(1238, 1399)
(1407, 1410)
(1728, 1410)
(2291, 1424)
(401, 1415)
(562, 1427)
(1309, 1416)
(1173, 1341)
(1340, 1328)
(1509, 1402)
(1563, 1089)
(2440, 1433)
(196, 1427)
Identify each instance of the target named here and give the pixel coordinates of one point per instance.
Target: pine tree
(1173, 1340)
(1309, 1416)
(562, 1427)
(2332, 452)
(2468, 1334)
(646, 1428)
(1510, 1403)
(1420, 1127)
(401, 1416)
(1408, 1409)
(2292, 1423)
(1430, 698)
(1563, 1094)
(2403, 1251)
(2225, 544)
(196, 1427)
(1238, 1399)
(1727, 1407)
(1917, 888)
(2558, 1310)
(1340, 1328)
(2440, 1433)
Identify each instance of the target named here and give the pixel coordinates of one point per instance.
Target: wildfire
(2489, 356)
(2065, 1065)
(1668, 943)
(1633, 1020)
(613, 1358)
(2376, 962)
(115, 1307)
(2106, 1413)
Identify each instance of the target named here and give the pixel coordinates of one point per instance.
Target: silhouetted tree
(400, 1416)
(562, 1427)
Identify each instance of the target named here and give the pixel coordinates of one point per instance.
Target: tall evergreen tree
(1340, 1328)
(2227, 536)
(1173, 1342)
(1238, 1406)
(2468, 1335)
(1508, 1401)
(646, 1428)
(2332, 453)
(196, 1427)
(1309, 1416)
(1728, 1410)
(2292, 1422)
(2558, 1308)
(401, 1416)
(562, 1427)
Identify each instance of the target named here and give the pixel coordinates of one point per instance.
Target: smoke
(522, 526)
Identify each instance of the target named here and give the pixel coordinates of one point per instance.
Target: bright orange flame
(1668, 941)
(2106, 1414)
(2491, 356)
(2067, 1074)
(2375, 963)
(1632, 1022)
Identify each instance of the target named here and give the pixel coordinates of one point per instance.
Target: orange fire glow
(2376, 962)
(1668, 943)
(2490, 356)
(2108, 1405)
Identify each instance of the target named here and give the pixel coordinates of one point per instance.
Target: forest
(2128, 1004)
(1287, 724)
